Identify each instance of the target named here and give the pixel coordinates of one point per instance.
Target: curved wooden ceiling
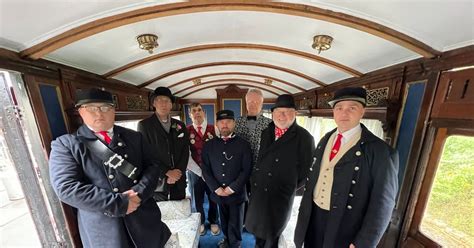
(226, 84)
(111, 22)
(249, 41)
(257, 83)
(299, 74)
(176, 52)
(187, 80)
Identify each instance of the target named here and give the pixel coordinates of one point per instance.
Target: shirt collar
(110, 132)
(203, 125)
(347, 135)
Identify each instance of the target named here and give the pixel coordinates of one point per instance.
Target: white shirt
(110, 132)
(347, 135)
(203, 127)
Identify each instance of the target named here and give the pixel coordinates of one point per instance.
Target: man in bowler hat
(108, 173)
(169, 139)
(226, 169)
(283, 162)
(352, 184)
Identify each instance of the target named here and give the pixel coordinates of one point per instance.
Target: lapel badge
(120, 144)
(192, 141)
(358, 153)
(192, 136)
(209, 135)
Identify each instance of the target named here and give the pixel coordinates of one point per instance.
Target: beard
(225, 132)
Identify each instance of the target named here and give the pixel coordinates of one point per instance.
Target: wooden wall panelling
(33, 86)
(233, 92)
(455, 96)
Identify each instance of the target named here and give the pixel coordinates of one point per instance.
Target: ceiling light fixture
(197, 81)
(267, 81)
(147, 42)
(322, 42)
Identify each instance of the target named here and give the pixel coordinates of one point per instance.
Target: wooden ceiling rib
(185, 50)
(245, 63)
(107, 23)
(233, 80)
(237, 73)
(225, 84)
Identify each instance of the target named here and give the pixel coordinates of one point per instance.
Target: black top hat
(84, 96)
(357, 94)
(284, 101)
(225, 114)
(162, 91)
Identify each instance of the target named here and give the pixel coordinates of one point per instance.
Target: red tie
(106, 136)
(279, 132)
(335, 148)
(199, 131)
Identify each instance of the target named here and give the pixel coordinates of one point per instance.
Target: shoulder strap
(112, 159)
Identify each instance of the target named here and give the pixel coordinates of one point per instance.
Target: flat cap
(84, 96)
(225, 114)
(357, 94)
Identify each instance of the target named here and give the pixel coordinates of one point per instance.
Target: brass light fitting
(147, 42)
(322, 42)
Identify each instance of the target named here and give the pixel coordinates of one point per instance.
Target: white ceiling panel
(114, 48)
(222, 69)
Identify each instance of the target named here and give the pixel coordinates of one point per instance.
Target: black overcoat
(281, 168)
(80, 179)
(178, 137)
(363, 193)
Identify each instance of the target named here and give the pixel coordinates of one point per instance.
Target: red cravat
(279, 132)
(335, 148)
(106, 136)
(199, 131)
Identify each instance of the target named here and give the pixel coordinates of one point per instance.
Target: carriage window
(319, 126)
(128, 124)
(448, 218)
(132, 124)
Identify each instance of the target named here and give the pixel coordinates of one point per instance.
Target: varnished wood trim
(107, 23)
(233, 80)
(245, 63)
(192, 49)
(223, 84)
(238, 73)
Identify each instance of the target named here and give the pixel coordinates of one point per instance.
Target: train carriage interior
(414, 58)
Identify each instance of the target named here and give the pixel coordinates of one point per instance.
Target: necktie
(336, 147)
(279, 132)
(106, 136)
(252, 118)
(200, 131)
(225, 138)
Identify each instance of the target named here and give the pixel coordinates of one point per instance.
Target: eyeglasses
(95, 109)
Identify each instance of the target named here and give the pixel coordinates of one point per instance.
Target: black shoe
(223, 243)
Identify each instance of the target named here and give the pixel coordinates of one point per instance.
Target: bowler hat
(162, 91)
(284, 101)
(84, 96)
(357, 94)
(225, 114)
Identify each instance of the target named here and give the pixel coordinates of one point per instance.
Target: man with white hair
(283, 162)
(250, 127)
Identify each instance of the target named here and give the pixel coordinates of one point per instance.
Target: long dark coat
(80, 179)
(157, 137)
(360, 210)
(281, 168)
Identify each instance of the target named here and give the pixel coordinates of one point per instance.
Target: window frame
(438, 134)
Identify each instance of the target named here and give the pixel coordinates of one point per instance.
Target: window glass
(449, 217)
